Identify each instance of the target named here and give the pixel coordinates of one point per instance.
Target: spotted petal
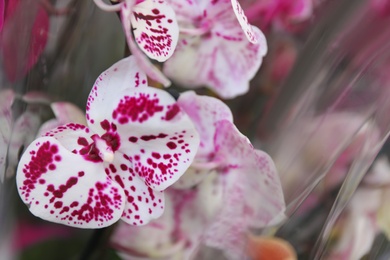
(159, 139)
(155, 29)
(62, 183)
(243, 20)
(142, 60)
(204, 111)
(152, 240)
(224, 62)
(142, 203)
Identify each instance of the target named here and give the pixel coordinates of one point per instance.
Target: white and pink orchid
(234, 187)
(152, 26)
(218, 48)
(137, 142)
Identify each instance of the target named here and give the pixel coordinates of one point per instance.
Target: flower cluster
(204, 43)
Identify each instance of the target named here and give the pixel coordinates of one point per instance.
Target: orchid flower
(238, 188)
(30, 19)
(137, 142)
(155, 29)
(217, 48)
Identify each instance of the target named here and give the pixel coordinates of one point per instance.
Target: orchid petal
(6, 100)
(142, 61)
(125, 74)
(23, 133)
(205, 112)
(243, 20)
(155, 29)
(253, 168)
(142, 203)
(225, 63)
(151, 240)
(191, 178)
(61, 182)
(251, 184)
(159, 139)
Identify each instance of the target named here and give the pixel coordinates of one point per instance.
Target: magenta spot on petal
(171, 145)
(58, 204)
(133, 139)
(136, 109)
(172, 112)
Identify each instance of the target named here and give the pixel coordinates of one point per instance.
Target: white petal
(155, 29)
(63, 187)
(142, 61)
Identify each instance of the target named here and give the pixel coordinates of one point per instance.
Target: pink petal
(65, 186)
(224, 62)
(6, 100)
(242, 19)
(155, 29)
(251, 184)
(152, 240)
(142, 61)
(204, 112)
(142, 203)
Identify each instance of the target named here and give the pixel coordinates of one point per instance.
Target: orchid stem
(94, 244)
